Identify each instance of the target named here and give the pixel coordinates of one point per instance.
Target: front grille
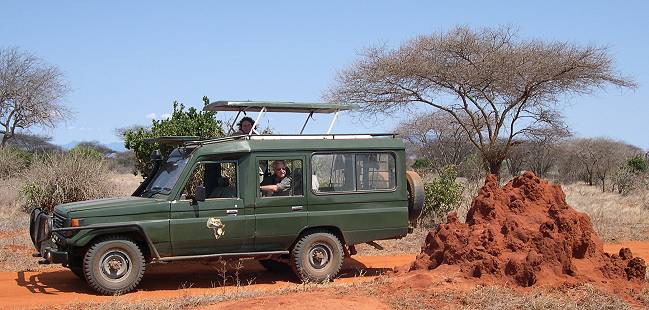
(59, 220)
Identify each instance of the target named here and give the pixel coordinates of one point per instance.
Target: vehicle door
(279, 216)
(216, 225)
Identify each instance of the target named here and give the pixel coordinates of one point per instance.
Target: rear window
(352, 172)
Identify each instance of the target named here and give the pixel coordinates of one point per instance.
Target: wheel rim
(115, 265)
(319, 256)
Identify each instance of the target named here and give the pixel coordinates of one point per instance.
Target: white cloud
(165, 116)
(151, 116)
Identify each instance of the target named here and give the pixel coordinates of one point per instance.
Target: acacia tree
(30, 93)
(497, 86)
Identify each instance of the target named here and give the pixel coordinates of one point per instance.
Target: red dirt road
(59, 286)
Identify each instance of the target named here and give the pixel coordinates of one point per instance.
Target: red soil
(526, 232)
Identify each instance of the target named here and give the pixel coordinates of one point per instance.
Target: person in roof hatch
(245, 125)
(279, 183)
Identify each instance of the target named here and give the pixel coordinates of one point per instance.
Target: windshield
(168, 173)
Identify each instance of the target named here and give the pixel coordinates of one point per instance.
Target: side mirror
(156, 156)
(199, 194)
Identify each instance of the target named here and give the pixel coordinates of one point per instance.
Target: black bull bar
(40, 230)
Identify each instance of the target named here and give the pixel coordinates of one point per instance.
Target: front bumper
(54, 256)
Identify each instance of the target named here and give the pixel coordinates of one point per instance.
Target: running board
(245, 254)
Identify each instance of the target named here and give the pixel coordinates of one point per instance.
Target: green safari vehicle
(211, 199)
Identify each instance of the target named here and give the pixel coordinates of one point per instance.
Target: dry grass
(583, 297)
(480, 297)
(614, 217)
(498, 297)
(188, 301)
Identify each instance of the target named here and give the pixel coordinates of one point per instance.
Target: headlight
(49, 226)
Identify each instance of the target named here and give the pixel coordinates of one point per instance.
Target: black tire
(416, 195)
(78, 271)
(113, 265)
(317, 257)
(274, 266)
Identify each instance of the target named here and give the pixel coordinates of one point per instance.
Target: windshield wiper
(155, 190)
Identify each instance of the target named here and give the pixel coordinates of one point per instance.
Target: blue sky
(126, 61)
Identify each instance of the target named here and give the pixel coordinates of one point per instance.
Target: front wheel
(114, 265)
(317, 257)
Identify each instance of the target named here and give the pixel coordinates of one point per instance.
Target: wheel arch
(134, 233)
(328, 228)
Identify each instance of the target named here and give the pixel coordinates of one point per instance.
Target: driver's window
(219, 180)
(280, 177)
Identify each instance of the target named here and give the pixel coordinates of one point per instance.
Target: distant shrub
(122, 162)
(631, 176)
(13, 161)
(86, 152)
(58, 178)
(442, 195)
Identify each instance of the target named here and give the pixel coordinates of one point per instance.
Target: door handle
(297, 208)
(231, 212)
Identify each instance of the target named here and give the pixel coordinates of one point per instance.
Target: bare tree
(497, 86)
(30, 93)
(596, 159)
(438, 137)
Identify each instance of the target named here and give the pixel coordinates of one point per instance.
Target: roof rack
(172, 139)
(278, 106)
(346, 136)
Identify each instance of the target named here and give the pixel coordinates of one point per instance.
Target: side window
(280, 177)
(375, 171)
(219, 180)
(332, 172)
(348, 172)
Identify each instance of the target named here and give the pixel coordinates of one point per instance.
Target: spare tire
(415, 196)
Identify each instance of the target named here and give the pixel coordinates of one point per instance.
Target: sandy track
(59, 286)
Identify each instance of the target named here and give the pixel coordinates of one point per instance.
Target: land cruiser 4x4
(206, 201)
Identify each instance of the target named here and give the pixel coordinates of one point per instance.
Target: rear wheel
(317, 257)
(114, 265)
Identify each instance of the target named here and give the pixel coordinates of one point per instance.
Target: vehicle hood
(107, 206)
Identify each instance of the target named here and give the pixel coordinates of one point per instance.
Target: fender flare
(96, 230)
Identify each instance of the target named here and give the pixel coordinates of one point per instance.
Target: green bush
(86, 152)
(181, 123)
(58, 178)
(442, 195)
(13, 162)
(423, 165)
(637, 164)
